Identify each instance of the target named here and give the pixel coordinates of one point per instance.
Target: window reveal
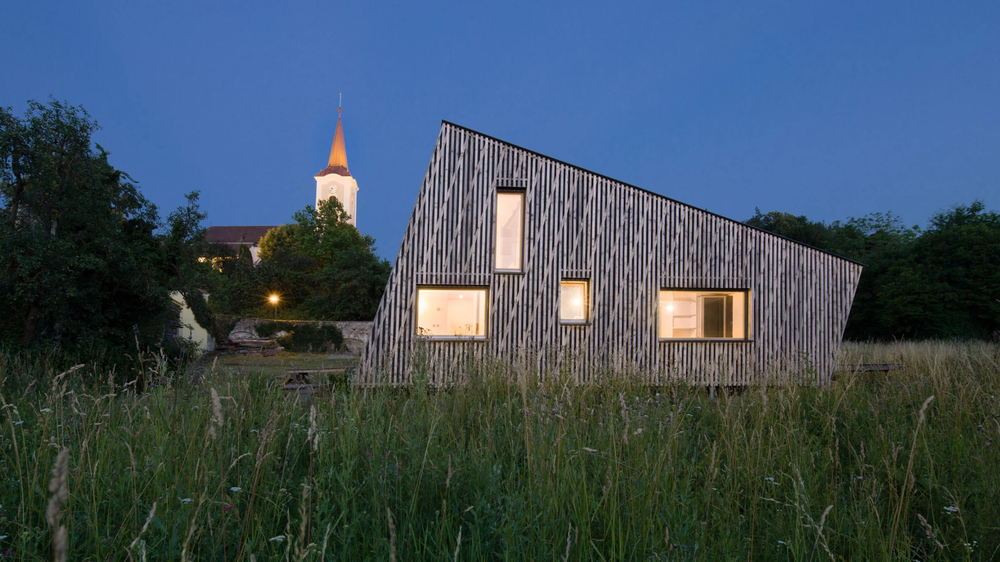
(451, 312)
(704, 314)
(573, 297)
(509, 230)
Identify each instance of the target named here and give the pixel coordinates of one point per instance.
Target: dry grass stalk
(929, 530)
(458, 543)
(392, 536)
(152, 513)
(569, 542)
(312, 436)
(909, 472)
(60, 493)
(216, 414)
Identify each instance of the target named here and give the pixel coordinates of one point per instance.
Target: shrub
(310, 337)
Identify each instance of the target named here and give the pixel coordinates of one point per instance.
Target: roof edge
(653, 193)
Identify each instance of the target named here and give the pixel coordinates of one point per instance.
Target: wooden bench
(876, 367)
(298, 380)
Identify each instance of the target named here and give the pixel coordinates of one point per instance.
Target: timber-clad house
(512, 254)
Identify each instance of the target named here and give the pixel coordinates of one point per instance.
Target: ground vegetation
(225, 465)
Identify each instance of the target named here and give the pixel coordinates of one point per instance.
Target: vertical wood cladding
(629, 243)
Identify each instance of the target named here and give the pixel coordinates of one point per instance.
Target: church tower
(335, 180)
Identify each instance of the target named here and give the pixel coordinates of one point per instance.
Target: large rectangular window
(704, 314)
(573, 302)
(510, 230)
(452, 312)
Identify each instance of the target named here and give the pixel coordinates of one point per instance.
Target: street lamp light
(274, 301)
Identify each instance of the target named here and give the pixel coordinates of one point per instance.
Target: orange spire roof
(338, 154)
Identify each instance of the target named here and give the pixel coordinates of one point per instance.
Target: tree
(79, 259)
(790, 226)
(321, 265)
(948, 286)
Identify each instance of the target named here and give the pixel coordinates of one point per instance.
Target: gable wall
(629, 243)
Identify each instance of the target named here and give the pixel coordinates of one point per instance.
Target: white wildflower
(236, 489)
(186, 500)
(278, 538)
(45, 410)
(951, 509)
(783, 543)
(18, 422)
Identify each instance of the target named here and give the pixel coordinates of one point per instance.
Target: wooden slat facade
(629, 243)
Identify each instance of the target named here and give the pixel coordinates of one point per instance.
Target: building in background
(335, 181)
(235, 236)
(187, 327)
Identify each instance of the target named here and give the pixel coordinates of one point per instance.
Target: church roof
(338, 154)
(249, 235)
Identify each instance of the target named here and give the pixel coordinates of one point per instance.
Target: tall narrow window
(573, 297)
(451, 312)
(510, 230)
(704, 314)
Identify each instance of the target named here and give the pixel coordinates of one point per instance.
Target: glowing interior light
(576, 302)
(670, 307)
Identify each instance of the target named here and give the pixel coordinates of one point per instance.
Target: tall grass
(506, 467)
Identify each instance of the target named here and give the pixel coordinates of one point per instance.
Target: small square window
(573, 301)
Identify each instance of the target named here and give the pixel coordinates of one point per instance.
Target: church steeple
(338, 154)
(334, 181)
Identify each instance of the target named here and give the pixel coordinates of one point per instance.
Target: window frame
(496, 239)
(747, 311)
(586, 302)
(486, 312)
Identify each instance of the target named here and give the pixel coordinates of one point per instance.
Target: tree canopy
(942, 282)
(320, 265)
(84, 258)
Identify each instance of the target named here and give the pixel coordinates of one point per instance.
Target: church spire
(338, 154)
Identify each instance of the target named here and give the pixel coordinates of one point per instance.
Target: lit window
(573, 302)
(452, 312)
(704, 314)
(510, 227)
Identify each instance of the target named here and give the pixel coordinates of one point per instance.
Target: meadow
(218, 462)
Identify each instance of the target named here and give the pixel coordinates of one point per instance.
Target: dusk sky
(830, 110)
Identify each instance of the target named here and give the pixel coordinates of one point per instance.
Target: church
(332, 182)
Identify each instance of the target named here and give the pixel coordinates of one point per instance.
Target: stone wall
(355, 333)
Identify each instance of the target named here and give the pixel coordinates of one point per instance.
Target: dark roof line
(653, 193)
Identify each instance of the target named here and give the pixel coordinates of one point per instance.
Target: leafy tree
(942, 282)
(323, 268)
(790, 226)
(948, 285)
(79, 259)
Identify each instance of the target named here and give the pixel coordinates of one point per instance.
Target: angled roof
(338, 154)
(249, 235)
(653, 193)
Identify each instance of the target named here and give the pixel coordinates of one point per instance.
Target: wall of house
(189, 328)
(629, 243)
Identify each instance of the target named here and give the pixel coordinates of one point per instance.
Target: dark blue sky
(830, 110)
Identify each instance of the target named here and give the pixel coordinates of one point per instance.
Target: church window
(451, 312)
(509, 230)
(712, 314)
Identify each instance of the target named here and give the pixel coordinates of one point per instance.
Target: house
(235, 236)
(187, 327)
(512, 255)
